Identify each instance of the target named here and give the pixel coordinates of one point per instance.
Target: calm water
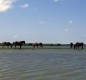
(43, 64)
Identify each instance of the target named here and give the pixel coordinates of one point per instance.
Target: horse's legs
(20, 46)
(42, 46)
(8, 46)
(11, 46)
(82, 46)
(37, 46)
(2, 46)
(33, 46)
(15, 46)
(71, 46)
(75, 46)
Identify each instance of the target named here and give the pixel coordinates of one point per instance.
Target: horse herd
(77, 45)
(16, 43)
(19, 43)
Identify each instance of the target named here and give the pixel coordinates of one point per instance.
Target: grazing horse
(6, 44)
(18, 43)
(37, 44)
(79, 45)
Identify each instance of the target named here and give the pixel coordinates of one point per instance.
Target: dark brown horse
(6, 44)
(18, 43)
(79, 45)
(37, 45)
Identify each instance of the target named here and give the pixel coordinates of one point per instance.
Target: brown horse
(79, 45)
(18, 43)
(37, 45)
(6, 44)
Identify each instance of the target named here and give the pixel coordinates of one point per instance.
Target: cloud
(15, 36)
(24, 6)
(66, 30)
(56, 0)
(6, 5)
(70, 22)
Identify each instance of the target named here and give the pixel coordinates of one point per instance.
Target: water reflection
(43, 65)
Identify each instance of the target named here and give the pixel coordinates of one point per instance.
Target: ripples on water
(43, 65)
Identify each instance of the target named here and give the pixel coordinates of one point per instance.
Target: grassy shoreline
(43, 51)
(40, 49)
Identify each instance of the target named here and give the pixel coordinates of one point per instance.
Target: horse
(71, 45)
(18, 43)
(6, 44)
(79, 45)
(37, 45)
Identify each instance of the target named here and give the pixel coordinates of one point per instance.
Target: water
(43, 64)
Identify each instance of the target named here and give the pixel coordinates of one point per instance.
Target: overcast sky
(47, 21)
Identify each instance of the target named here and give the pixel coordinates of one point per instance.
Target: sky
(47, 21)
